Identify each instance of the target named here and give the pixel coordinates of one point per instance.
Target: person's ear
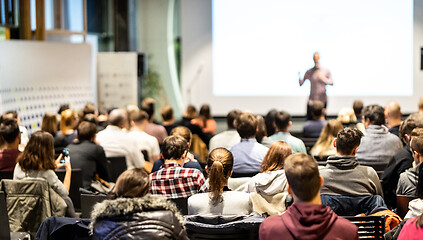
(334, 142)
(289, 124)
(289, 189)
(321, 180)
(207, 169)
(354, 152)
(230, 173)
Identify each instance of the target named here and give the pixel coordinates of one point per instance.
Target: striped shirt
(173, 181)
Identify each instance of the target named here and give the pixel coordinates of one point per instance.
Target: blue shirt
(312, 128)
(248, 155)
(296, 144)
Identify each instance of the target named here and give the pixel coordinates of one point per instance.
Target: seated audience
(412, 229)
(229, 137)
(378, 145)
(116, 143)
(87, 155)
(168, 118)
(37, 161)
(408, 180)
(172, 180)
(189, 114)
(153, 129)
(270, 122)
(139, 120)
(312, 128)
(134, 214)
(22, 129)
(358, 106)
(393, 117)
(261, 135)
(306, 218)
(205, 120)
(343, 175)
(9, 131)
(269, 186)
(324, 145)
(191, 160)
(283, 123)
(401, 161)
(49, 124)
(68, 122)
(220, 200)
(348, 119)
(248, 154)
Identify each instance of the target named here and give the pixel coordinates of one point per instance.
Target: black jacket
(400, 162)
(149, 217)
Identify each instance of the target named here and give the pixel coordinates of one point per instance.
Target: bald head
(316, 58)
(393, 111)
(118, 117)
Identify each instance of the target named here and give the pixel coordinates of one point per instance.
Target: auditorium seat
(6, 175)
(76, 183)
(116, 165)
(88, 201)
(402, 205)
(369, 227)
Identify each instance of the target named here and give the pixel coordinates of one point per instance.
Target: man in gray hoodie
(343, 175)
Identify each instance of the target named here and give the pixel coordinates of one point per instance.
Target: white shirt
(24, 138)
(225, 139)
(117, 143)
(146, 142)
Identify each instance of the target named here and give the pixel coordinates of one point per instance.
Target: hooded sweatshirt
(343, 176)
(415, 208)
(407, 183)
(305, 221)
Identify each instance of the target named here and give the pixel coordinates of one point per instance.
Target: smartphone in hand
(65, 153)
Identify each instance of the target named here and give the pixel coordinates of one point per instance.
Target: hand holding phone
(65, 153)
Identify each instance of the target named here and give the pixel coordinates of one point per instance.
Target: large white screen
(259, 46)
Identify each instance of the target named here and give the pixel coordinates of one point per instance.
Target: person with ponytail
(220, 200)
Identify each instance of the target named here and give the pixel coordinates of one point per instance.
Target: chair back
(402, 205)
(309, 143)
(6, 175)
(76, 183)
(116, 165)
(378, 166)
(369, 227)
(4, 218)
(87, 203)
(182, 204)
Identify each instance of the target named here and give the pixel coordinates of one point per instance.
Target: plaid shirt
(173, 181)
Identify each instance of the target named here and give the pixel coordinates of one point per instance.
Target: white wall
(37, 77)
(197, 70)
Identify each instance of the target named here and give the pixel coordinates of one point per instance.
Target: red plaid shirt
(173, 181)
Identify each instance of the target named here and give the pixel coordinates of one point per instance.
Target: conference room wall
(37, 77)
(196, 74)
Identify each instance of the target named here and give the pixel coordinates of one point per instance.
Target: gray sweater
(343, 176)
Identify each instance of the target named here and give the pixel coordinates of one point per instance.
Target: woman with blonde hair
(269, 187)
(324, 145)
(68, 122)
(220, 200)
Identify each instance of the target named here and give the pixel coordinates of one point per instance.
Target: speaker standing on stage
(319, 77)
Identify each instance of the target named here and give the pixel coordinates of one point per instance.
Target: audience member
(49, 124)
(343, 175)
(408, 180)
(134, 214)
(139, 120)
(283, 123)
(358, 106)
(22, 129)
(229, 137)
(191, 160)
(153, 129)
(220, 200)
(90, 108)
(420, 105)
(312, 128)
(205, 120)
(116, 143)
(306, 218)
(248, 154)
(378, 145)
(324, 146)
(189, 114)
(9, 130)
(393, 117)
(401, 161)
(87, 155)
(102, 120)
(68, 122)
(348, 119)
(37, 161)
(268, 187)
(270, 122)
(173, 181)
(168, 118)
(261, 135)
(412, 229)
